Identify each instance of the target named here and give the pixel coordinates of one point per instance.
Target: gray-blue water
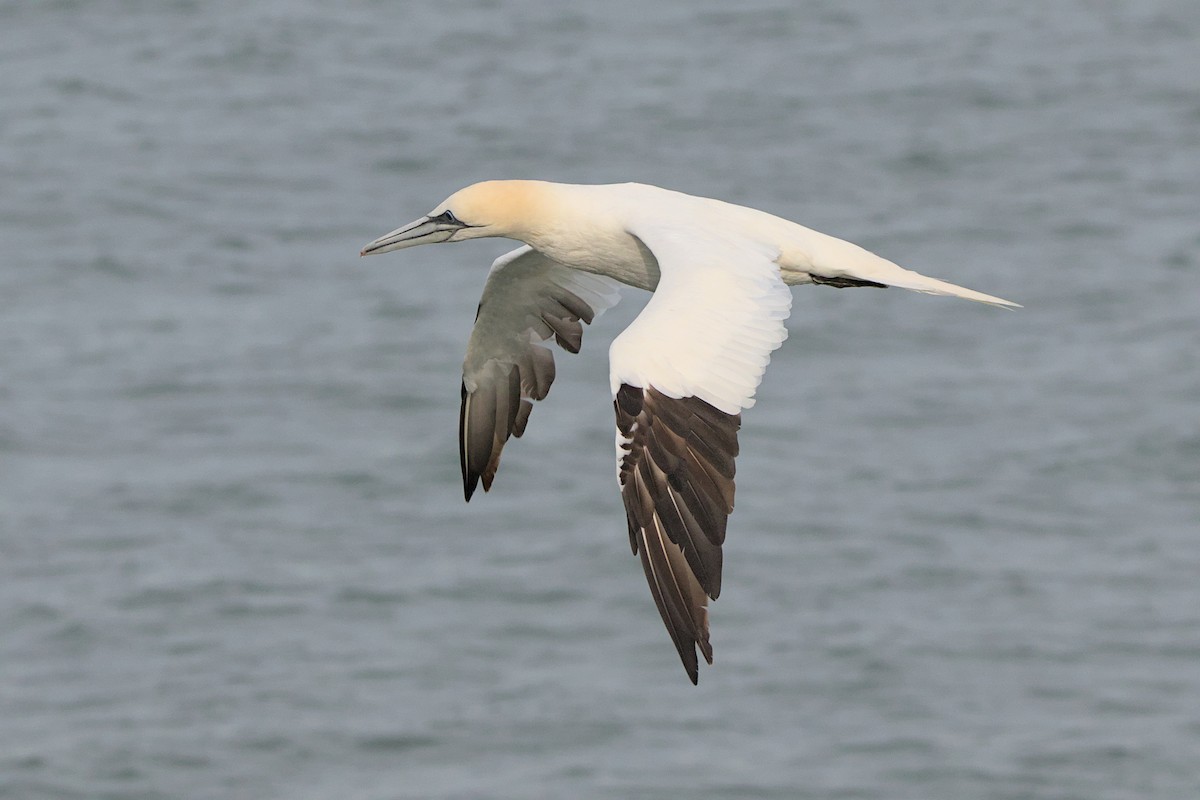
(234, 556)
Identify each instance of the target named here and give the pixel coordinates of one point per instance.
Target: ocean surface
(234, 557)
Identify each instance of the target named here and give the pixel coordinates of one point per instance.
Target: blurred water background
(234, 556)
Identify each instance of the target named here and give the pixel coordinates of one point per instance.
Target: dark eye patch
(447, 216)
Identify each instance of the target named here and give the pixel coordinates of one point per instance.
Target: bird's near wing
(527, 299)
(681, 375)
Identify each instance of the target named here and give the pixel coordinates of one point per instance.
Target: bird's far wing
(681, 374)
(527, 299)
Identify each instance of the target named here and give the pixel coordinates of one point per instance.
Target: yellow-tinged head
(490, 208)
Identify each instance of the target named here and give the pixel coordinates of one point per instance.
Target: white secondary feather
(712, 323)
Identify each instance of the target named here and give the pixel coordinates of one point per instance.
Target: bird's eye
(448, 216)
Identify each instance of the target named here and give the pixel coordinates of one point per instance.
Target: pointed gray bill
(426, 230)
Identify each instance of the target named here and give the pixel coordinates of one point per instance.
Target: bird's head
(491, 208)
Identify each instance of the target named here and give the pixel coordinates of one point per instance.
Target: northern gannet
(680, 374)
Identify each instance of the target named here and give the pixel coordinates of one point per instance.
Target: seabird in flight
(681, 373)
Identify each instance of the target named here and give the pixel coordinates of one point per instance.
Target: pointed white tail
(916, 282)
(839, 258)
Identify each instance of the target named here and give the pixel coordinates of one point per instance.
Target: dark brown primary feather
(677, 483)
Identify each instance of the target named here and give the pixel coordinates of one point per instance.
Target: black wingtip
(469, 484)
